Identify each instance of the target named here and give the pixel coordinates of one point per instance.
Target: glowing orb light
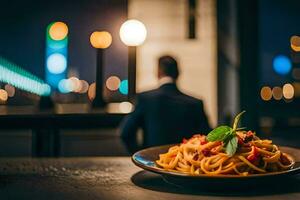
(266, 93)
(92, 91)
(125, 107)
(75, 83)
(84, 86)
(277, 93)
(295, 43)
(133, 32)
(113, 83)
(124, 87)
(101, 39)
(58, 31)
(296, 86)
(56, 63)
(64, 86)
(288, 91)
(282, 65)
(46, 89)
(72, 84)
(3, 95)
(10, 90)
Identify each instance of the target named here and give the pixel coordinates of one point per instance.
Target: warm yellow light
(100, 39)
(113, 83)
(295, 48)
(84, 86)
(92, 91)
(288, 91)
(295, 43)
(125, 107)
(10, 90)
(277, 93)
(133, 32)
(75, 84)
(58, 31)
(3, 95)
(296, 86)
(266, 93)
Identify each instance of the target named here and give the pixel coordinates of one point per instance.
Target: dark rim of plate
(162, 171)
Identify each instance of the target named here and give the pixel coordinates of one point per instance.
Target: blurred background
(235, 55)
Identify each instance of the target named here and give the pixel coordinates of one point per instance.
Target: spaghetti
(197, 156)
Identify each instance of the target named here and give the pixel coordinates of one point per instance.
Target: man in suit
(166, 115)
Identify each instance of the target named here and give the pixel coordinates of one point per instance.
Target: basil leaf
(219, 133)
(236, 120)
(231, 146)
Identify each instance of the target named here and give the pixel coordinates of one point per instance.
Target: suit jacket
(166, 116)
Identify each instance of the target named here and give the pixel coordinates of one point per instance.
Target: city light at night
(101, 39)
(124, 87)
(133, 32)
(19, 78)
(56, 53)
(282, 65)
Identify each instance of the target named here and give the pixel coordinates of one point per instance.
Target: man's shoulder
(148, 93)
(143, 97)
(192, 99)
(157, 93)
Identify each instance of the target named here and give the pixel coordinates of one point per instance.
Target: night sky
(278, 21)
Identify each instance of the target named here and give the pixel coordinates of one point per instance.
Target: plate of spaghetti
(228, 153)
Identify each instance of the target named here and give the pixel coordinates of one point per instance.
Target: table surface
(102, 178)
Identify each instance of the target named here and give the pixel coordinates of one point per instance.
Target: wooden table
(106, 178)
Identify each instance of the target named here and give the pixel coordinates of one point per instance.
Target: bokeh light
(56, 53)
(124, 87)
(282, 64)
(64, 86)
(75, 84)
(266, 93)
(22, 79)
(56, 63)
(101, 39)
(295, 43)
(277, 93)
(84, 86)
(133, 32)
(125, 107)
(288, 91)
(3, 95)
(58, 31)
(45, 89)
(113, 83)
(10, 90)
(92, 91)
(296, 86)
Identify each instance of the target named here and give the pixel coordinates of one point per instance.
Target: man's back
(166, 116)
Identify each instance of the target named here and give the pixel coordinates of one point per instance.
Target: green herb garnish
(227, 135)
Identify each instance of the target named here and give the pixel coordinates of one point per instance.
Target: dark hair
(168, 65)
